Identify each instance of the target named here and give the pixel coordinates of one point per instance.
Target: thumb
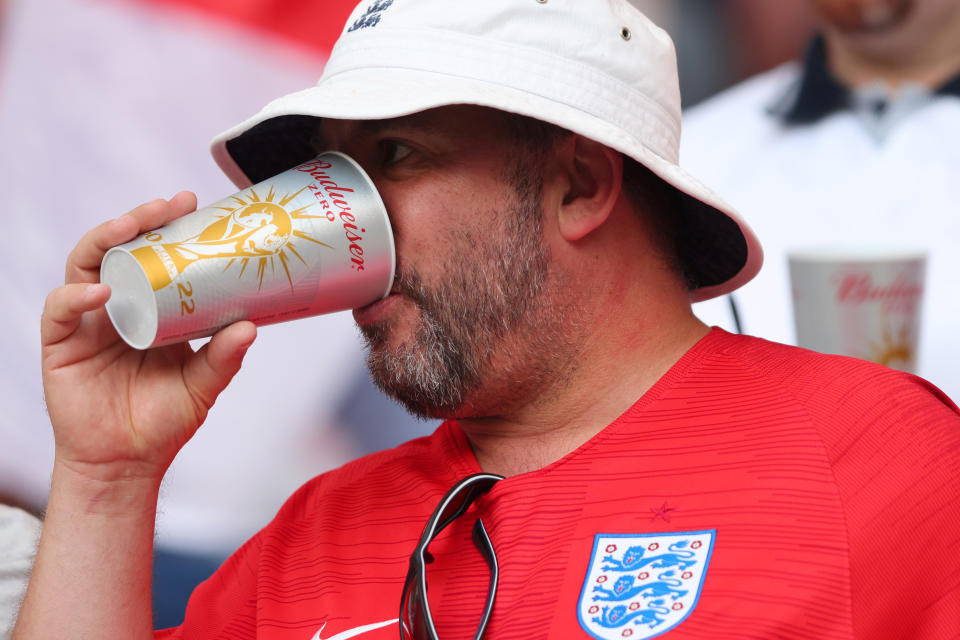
(211, 368)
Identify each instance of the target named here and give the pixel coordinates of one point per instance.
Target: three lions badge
(641, 586)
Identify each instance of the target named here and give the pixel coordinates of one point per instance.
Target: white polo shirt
(809, 164)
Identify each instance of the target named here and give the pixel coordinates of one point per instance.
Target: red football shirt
(756, 491)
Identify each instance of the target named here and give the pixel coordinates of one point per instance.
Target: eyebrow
(321, 142)
(374, 127)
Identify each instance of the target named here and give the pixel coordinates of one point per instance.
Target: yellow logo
(894, 351)
(256, 229)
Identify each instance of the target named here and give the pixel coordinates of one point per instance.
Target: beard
(494, 291)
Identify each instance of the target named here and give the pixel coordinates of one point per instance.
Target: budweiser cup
(314, 239)
(861, 303)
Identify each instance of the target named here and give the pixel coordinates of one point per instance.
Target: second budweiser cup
(314, 239)
(863, 303)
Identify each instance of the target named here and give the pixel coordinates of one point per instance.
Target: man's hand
(120, 413)
(119, 416)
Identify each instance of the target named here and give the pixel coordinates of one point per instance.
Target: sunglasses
(416, 620)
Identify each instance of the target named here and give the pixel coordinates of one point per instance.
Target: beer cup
(314, 239)
(864, 303)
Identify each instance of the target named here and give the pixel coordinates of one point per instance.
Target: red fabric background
(311, 24)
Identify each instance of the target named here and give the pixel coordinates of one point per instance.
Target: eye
(393, 151)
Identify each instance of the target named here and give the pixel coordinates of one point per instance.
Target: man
(855, 147)
(659, 476)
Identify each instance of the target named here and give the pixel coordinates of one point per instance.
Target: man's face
(469, 325)
(894, 32)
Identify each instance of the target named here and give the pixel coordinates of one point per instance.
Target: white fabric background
(19, 534)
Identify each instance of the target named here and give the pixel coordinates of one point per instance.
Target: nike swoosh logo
(356, 631)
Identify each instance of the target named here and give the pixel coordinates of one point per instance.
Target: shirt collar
(817, 93)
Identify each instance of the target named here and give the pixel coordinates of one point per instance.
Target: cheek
(423, 221)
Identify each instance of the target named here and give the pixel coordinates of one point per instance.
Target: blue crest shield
(640, 586)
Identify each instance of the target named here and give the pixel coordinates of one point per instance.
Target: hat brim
(720, 251)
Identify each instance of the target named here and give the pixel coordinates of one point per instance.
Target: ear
(594, 175)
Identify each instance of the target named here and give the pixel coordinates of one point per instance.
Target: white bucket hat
(599, 68)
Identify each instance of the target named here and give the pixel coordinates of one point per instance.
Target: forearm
(119, 417)
(91, 578)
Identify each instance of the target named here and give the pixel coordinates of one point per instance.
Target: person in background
(609, 466)
(19, 533)
(858, 144)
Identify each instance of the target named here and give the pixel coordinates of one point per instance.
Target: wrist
(111, 490)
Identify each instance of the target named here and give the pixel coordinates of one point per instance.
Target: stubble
(493, 291)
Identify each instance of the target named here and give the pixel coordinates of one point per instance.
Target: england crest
(640, 586)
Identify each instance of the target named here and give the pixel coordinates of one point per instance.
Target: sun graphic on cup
(893, 351)
(258, 229)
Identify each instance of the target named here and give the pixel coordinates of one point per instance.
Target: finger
(210, 369)
(65, 307)
(183, 203)
(83, 264)
(157, 213)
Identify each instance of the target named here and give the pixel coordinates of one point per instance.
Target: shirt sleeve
(898, 470)
(224, 605)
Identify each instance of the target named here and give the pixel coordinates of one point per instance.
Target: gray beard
(464, 319)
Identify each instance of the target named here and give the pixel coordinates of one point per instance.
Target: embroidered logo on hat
(641, 586)
(371, 17)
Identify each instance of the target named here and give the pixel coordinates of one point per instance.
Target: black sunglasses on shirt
(416, 619)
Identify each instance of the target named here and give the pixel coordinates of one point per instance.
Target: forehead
(450, 123)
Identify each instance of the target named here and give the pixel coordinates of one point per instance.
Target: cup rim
(857, 254)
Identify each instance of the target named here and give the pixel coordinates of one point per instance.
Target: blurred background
(105, 104)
